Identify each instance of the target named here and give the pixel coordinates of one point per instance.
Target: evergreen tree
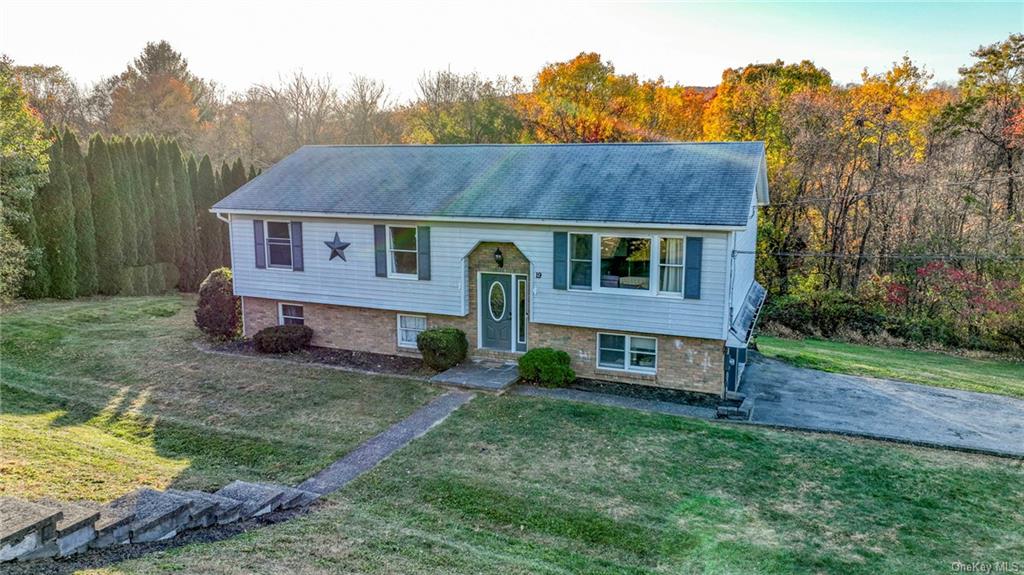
(210, 229)
(238, 174)
(252, 172)
(57, 226)
(126, 204)
(147, 152)
(105, 212)
(167, 241)
(85, 230)
(187, 268)
(227, 185)
(37, 282)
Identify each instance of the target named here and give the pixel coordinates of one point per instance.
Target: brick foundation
(683, 363)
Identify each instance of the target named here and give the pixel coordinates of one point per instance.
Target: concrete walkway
(377, 449)
(799, 398)
(605, 399)
(480, 374)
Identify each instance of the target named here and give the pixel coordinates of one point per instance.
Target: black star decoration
(337, 248)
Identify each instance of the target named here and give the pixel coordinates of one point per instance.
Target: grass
(518, 485)
(924, 367)
(100, 397)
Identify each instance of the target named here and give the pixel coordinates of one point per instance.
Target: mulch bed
(647, 392)
(357, 360)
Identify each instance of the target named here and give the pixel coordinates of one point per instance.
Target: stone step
(74, 531)
(221, 510)
(157, 515)
(113, 526)
(25, 526)
(202, 512)
(293, 496)
(256, 499)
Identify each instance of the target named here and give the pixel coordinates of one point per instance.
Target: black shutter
(380, 250)
(694, 254)
(423, 249)
(261, 246)
(297, 247)
(561, 259)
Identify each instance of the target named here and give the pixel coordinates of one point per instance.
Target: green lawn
(522, 485)
(102, 396)
(929, 368)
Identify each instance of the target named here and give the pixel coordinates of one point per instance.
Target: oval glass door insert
(496, 298)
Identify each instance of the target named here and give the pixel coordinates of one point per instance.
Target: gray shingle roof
(664, 183)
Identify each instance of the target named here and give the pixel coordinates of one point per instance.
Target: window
(279, 245)
(402, 252)
(290, 314)
(581, 247)
(409, 328)
(627, 352)
(625, 262)
(671, 265)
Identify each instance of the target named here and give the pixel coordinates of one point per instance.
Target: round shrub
(547, 367)
(282, 338)
(442, 347)
(219, 312)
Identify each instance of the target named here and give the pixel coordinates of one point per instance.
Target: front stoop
(486, 375)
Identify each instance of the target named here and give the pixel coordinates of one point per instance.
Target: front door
(496, 309)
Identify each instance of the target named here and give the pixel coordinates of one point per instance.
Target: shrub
(547, 367)
(442, 347)
(823, 313)
(282, 338)
(218, 313)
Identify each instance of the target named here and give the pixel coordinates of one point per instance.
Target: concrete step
(256, 499)
(24, 527)
(293, 496)
(202, 511)
(74, 531)
(113, 526)
(738, 411)
(157, 515)
(221, 510)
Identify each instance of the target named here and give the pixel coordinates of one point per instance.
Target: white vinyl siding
(354, 282)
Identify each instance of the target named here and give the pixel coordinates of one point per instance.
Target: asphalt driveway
(801, 398)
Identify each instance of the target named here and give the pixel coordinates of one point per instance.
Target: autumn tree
(365, 114)
(23, 168)
(464, 109)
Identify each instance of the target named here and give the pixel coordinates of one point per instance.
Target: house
(636, 259)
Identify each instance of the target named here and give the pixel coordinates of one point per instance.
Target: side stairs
(47, 528)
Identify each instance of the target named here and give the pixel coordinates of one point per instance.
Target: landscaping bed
(647, 392)
(356, 360)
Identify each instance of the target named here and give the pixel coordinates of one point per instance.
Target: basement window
(627, 352)
(409, 328)
(290, 314)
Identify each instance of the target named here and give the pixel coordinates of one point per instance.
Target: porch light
(499, 258)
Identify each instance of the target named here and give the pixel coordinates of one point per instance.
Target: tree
(303, 108)
(186, 229)
(53, 94)
(210, 229)
(364, 113)
(581, 100)
(57, 225)
(167, 239)
(992, 96)
(106, 214)
(85, 229)
(460, 109)
(23, 168)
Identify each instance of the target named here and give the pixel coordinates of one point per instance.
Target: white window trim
(682, 288)
(654, 289)
(398, 327)
(266, 246)
(390, 250)
(280, 311)
(626, 351)
(569, 260)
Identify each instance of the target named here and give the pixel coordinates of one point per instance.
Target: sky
(238, 44)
